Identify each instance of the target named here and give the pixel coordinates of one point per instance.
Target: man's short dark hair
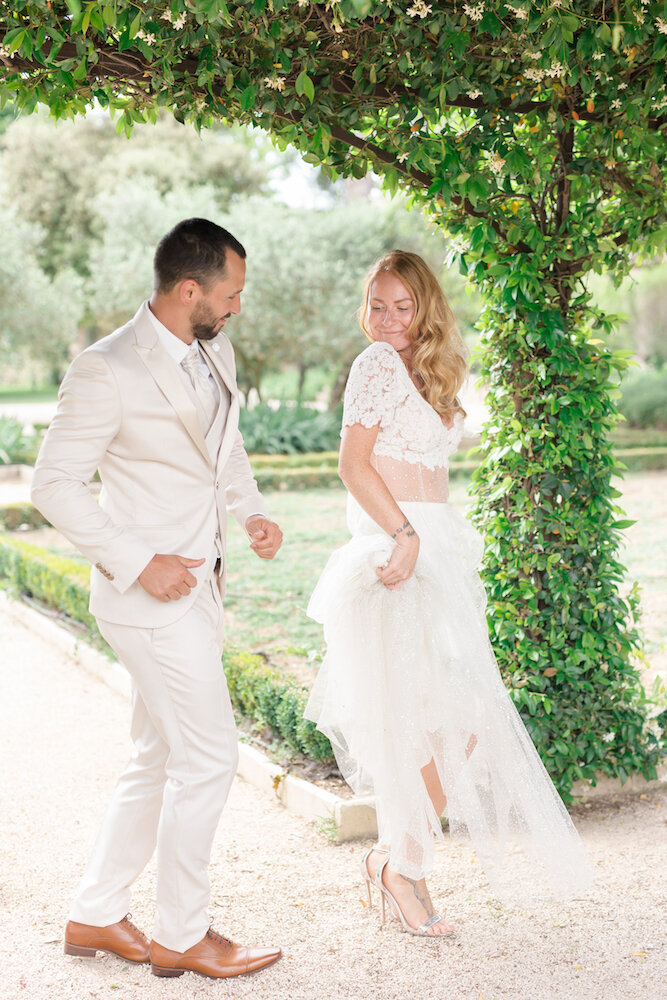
(194, 248)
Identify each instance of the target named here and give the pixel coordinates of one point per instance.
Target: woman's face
(391, 309)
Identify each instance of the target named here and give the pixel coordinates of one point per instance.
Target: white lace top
(413, 446)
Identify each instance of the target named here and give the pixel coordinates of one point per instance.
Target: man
(154, 406)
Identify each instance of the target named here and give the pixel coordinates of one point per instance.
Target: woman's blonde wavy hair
(439, 354)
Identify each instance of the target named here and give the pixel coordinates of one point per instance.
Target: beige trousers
(173, 790)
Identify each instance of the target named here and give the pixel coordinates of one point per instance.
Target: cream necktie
(206, 403)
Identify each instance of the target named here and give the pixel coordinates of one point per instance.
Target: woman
(409, 692)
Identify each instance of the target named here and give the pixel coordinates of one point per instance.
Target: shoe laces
(218, 938)
(126, 920)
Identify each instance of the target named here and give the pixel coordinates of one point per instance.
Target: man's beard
(202, 323)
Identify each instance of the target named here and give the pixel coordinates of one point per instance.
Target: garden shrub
(16, 445)
(20, 515)
(306, 478)
(643, 400)
(288, 429)
(61, 584)
(641, 459)
(309, 459)
(267, 695)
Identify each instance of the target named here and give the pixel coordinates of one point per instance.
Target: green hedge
(641, 459)
(17, 446)
(310, 459)
(261, 692)
(61, 584)
(638, 437)
(643, 400)
(297, 479)
(267, 695)
(319, 471)
(20, 515)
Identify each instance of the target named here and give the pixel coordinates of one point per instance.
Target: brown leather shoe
(122, 939)
(215, 956)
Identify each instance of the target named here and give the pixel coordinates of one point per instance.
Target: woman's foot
(407, 895)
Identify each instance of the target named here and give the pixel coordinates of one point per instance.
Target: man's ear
(188, 291)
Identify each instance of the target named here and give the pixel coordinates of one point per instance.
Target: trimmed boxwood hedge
(259, 691)
(20, 515)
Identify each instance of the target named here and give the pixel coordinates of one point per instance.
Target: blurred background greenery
(82, 209)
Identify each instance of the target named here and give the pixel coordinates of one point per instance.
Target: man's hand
(168, 577)
(265, 536)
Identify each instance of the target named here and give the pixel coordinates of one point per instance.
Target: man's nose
(235, 306)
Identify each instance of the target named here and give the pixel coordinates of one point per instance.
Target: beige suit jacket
(125, 410)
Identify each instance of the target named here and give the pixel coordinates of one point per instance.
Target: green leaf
(304, 85)
(248, 97)
(135, 25)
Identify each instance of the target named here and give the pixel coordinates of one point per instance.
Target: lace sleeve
(372, 391)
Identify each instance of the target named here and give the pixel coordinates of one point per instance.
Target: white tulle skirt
(409, 677)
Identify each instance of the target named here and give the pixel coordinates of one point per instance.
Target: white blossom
(661, 25)
(472, 94)
(419, 9)
(608, 737)
(519, 12)
(653, 727)
(402, 157)
(474, 11)
(556, 69)
(166, 16)
(534, 74)
(303, 3)
(496, 163)
(5, 53)
(180, 21)
(275, 82)
(532, 54)
(147, 36)
(615, 105)
(598, 55)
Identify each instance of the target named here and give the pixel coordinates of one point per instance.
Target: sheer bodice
(413, 445)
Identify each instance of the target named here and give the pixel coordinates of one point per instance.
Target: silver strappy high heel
(386, 894)
(366, 875)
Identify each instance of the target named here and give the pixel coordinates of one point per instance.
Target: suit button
(217, 486)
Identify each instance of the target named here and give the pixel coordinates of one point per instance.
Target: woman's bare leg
(433, 787)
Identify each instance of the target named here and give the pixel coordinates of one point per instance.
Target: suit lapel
(163, 370)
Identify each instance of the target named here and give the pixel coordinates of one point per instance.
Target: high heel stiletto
(366, 875)
(387, 895)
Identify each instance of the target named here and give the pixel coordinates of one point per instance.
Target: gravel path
(277, 879)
